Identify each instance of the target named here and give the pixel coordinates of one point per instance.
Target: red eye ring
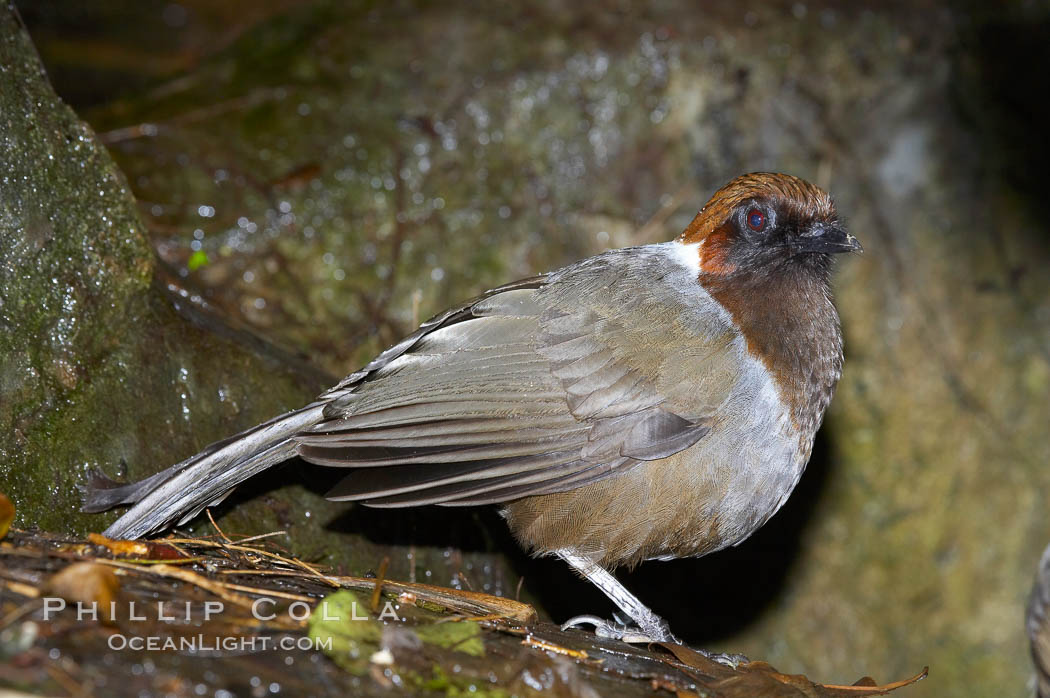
(756, 220)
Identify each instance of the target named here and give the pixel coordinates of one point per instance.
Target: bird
(650, 402)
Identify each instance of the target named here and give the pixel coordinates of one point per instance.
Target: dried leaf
(760, 678)
(872, 689)
(137, 548)
(120, 547)
(696, 660)
(88, 583)
(7, 514)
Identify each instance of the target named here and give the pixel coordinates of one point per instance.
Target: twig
(379, 582)
(294, 562)
(530, 641)
(219, 589)
(22, 589)
(261, 536)
(22, 610)
(216, 526)
(63, 678)
(270, 592)
(205, 113)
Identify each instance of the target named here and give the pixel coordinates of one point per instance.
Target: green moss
(455, 686)
(462, 636)
(343, 626)
(74, 263)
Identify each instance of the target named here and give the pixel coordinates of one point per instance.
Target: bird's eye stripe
(755, 219)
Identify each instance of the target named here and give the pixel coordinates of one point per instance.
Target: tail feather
(180, 492)
(102, 493)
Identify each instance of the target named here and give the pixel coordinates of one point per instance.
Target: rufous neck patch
(713, 245)
(714, 253)
(713, 231)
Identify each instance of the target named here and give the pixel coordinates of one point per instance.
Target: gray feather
(586, 350)
(536, 387)
(187, 487)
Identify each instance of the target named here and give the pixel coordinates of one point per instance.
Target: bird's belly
(707, 497)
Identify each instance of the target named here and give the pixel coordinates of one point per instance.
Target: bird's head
(763, 222)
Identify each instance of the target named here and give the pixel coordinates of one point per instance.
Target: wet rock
(110, 364)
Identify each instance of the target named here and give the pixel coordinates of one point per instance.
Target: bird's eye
(756, 220)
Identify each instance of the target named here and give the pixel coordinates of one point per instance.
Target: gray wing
(536, 387)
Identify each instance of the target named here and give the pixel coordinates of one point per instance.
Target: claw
(577, 621)
(730, 660)
(620, 631)
(657, 632)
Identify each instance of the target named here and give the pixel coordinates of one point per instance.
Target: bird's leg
(651, 627)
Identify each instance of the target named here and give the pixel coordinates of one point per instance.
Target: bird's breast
(709, 496)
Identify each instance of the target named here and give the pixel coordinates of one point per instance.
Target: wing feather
(380, 483)
(534, 388)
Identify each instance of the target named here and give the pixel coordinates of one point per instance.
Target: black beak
(827, 238)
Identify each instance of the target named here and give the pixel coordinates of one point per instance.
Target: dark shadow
(999, 70)
(474, 529)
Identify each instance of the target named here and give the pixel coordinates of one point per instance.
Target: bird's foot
(730, 660)
(657, 631)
